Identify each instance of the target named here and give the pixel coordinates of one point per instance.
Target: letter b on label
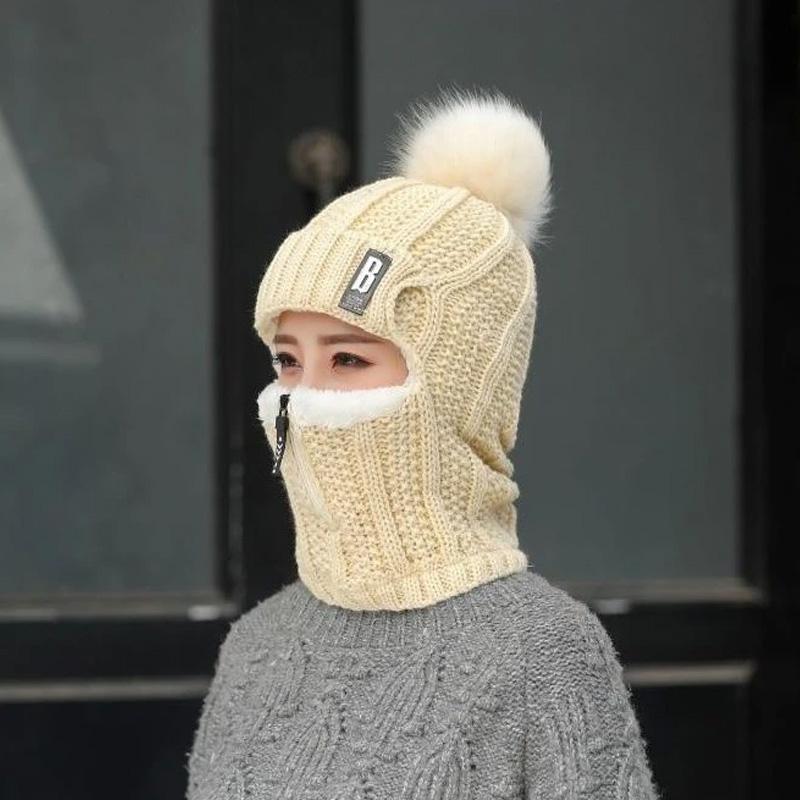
(365, 281)
(367, 274)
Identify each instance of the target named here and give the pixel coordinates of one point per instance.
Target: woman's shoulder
(551, 609)
(578, 702)
(281, 602)
(251, 630)
(564, 639)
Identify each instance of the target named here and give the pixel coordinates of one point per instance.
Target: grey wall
(627, 456)
(105, 307)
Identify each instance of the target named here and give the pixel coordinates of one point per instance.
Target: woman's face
(319, 351)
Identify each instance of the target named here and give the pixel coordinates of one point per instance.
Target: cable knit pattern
(511, 691)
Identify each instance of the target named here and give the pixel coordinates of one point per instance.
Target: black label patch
(359, 291)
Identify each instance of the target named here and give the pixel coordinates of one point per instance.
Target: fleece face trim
(333, 408)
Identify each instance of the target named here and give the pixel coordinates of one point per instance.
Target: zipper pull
(281, 431)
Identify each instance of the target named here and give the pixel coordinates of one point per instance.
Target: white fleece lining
(332, 408)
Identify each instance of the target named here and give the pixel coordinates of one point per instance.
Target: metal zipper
(281, 432)
(284, 441)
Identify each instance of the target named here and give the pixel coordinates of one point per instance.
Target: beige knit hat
(403, 496)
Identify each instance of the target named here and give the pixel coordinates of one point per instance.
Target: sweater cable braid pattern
(511, 691)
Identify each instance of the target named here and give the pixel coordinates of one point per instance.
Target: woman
(418, 655)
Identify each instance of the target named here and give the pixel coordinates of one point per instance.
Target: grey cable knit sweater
(512, 690)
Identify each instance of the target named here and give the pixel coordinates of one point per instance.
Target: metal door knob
(319, 160)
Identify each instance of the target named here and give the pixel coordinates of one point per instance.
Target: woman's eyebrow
(350, 338)
(333, 338)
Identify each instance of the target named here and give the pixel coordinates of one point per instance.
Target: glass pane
(627, 456)
(105, 305)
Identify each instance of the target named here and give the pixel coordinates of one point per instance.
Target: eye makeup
(340, 359)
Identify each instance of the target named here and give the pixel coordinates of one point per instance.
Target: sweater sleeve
(583, 738)
(214, 724)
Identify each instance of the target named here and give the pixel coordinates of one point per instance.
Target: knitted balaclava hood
(403, 496)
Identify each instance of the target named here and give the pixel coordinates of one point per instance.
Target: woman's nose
(314, 377)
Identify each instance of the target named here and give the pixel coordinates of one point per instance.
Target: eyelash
(279, 360)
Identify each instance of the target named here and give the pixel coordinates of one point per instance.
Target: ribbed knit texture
(510, 691)
(418, 505)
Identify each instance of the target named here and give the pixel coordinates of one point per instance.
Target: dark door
(144, 180)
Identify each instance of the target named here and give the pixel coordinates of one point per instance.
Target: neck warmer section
(392, 508)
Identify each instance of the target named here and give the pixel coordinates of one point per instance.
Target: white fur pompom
(485, 143)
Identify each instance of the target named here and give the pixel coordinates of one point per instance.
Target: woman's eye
(283, 360)
(287, 361)
(349, 360)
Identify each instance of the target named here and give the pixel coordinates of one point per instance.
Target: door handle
(319, 159)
